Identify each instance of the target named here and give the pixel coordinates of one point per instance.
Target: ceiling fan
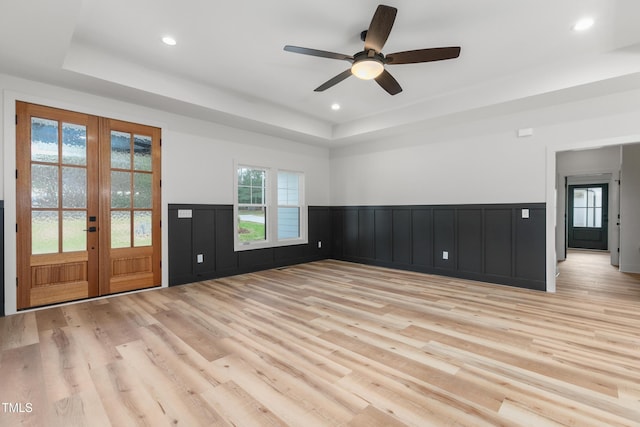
(369, 63)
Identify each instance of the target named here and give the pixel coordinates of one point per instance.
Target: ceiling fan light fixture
(367, 68)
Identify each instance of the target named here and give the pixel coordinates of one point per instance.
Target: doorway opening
(588, 216)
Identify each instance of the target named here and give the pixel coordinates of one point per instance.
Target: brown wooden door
(130, 214)
(71, 240)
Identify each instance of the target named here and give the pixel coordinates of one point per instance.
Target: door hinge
(16, 173)
(16, 282)
(16, 227)
(16, 119)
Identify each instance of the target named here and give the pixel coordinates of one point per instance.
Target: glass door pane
(58, 186)
(131, 188)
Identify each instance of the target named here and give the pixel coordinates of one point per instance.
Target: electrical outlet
(319, 244)
(200, 258)
(445, 255)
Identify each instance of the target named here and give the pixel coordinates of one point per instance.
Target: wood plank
(334, 343)
(51, 318)
(21, 386)
(18, 330)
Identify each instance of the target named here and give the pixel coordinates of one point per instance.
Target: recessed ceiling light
(335, 106)
(169, 40)
(583, 24)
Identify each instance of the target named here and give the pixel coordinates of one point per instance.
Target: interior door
(588, 216)
(88, 206)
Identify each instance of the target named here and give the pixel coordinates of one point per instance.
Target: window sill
(240, 247)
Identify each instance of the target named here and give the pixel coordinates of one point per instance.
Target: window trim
(271, 206)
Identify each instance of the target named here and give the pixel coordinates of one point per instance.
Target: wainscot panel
(2, 258)
(501, 243)
(201, 244)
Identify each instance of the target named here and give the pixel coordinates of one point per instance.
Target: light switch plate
(185, 213)
(200, 258)
(445, 255)
(525, 213)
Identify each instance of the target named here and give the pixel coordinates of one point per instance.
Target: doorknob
(91, 229)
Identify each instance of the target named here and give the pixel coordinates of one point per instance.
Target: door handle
(91, 229)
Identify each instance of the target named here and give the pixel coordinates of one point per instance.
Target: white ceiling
(229, 65)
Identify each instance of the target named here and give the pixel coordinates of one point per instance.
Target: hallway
(590, 273)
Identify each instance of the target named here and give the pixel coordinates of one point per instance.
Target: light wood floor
(331, 343)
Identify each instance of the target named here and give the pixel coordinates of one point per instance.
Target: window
(252, 205)
(269, 208)
(288, 205)
(587, 207)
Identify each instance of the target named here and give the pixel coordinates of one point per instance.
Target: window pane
(142, 191)
(579, 217)
(44, 232)
(252, 224)
(244, 176)
(74, 144)
(244, 194)
(74, 236)
(44, 140)
(120, 229)
(74, 188)
(580, 198)
(251, 186)
(120, 150)
(257, 178)
(257, 196)
(142, 228)
(44, 186)
(596, 197)
(597, 220)
(288, 188)
(288, 223)
(120, 189)
(142, 152)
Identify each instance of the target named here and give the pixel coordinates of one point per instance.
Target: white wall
(478, 160)
(595, 166)
(496, 168)
(629, 208)
(197, 156)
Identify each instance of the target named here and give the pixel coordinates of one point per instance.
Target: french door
(88, 205)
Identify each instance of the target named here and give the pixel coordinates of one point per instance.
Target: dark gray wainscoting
(2, 258)
(491, 243)
(502, 243)
(209, 232)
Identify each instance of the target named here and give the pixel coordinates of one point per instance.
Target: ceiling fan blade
(380, 27)
(334, 81)
(388, 83)
(423, 55)
(316, 52)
